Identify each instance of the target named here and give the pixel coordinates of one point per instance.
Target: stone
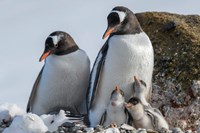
(196, 88)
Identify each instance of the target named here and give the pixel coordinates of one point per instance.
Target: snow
(28, 123)
(9, 111)
(31, 123)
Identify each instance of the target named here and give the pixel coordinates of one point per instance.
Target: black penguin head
(58, 43)
(121, 20)
(132, 102)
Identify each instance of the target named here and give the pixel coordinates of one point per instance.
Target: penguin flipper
(103, 118)
(96, 70)
(154, 118)
(33, 92)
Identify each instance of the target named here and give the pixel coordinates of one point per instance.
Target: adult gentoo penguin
(63, 81)
(127, 52)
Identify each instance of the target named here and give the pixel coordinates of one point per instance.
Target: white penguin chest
(127, 56)
(115, 114)
(62, 78)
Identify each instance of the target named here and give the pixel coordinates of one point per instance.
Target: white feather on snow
(28, 123)
(9, 111)
(54, 121)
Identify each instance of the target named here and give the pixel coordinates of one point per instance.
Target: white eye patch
(56, 39)
(121, 15)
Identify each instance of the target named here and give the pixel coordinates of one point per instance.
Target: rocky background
(176, 79)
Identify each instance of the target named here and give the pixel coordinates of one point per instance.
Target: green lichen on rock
(176, 42)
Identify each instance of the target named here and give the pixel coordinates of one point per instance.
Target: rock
(127, 127)
(196, 88)
(89, 130)
(170, 26)
(98, 128)
(176, 42)
(68, 124)
(164, 130)
(188, 131)
(112, 130)
(141, 130)
(151, 131)
(177, 130)
(79, 131)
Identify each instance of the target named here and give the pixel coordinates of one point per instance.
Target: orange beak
(135, 78)
(128, 105)
(117, 88)
(108, 32)
(44, 56)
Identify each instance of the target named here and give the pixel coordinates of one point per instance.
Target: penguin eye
(134, 100)
(143, 83)
(56, 45)
(113, 18)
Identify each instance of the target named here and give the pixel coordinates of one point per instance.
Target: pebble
(98, 128)
(170, 25)
(177, 130)
(68, 124)
(127, 127)
(196, 88)
(79, 131)
(89, 130)
(140, 130)
(112, 130)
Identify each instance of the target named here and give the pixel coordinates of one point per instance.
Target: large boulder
(176, 78)
(176, 42)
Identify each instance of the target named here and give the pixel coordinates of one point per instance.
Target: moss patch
(176, 42)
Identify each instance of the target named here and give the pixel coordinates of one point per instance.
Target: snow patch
(9, 111)
(28, 123)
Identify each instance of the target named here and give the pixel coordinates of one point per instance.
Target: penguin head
(121, 20)
(117, 96)
(56, 43)
(139, 85)
(135, 108)
(132, 103)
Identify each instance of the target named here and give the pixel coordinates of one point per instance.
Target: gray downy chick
(142, 117)
(140, 88)
(115, 112)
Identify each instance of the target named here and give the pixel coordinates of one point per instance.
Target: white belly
(127, 56)
(64, 83)
(115, 115)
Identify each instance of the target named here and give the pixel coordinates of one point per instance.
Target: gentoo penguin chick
(127, 52)
(63, 81)
(140, 88)
(115, 113)
(146, 118)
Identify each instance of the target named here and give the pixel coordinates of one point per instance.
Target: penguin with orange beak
(145, 117)
(63, 81)
(115, 112)
(127, 52)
